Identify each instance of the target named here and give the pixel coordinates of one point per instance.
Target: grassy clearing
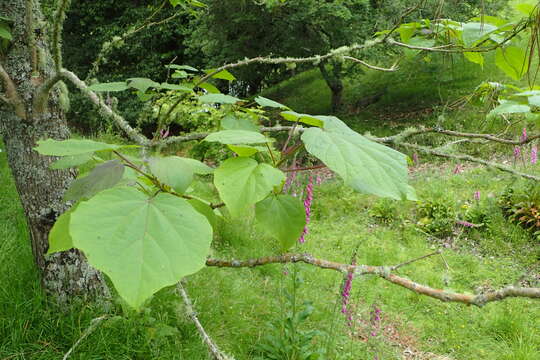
(237, 305)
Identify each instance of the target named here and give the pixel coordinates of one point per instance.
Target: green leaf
(534, 100)
(74, 147)
(474, 31)
(283, 216)
(172, 171)
(407, 31)
(66, 162)
(218, 98)
(264, 102)
(210, 88)
(5, 33)
(110, 87)
(235, 137)
(231, 122)
(142, 84)
(244, 150)
(364, 165)
(223, 74)
(143, 244)
(242, 182)
(102, 177)
(509, 107)
(205, 210)
(474, 57)
(176, 87)
(181, 67)
(303, 118)
(179, 74)
(513, 61)
(59, 236)
(197, 167)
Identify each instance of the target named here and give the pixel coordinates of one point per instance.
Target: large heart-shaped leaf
(366, 166)
(103, 176)
(71, 161)
(303, 118)
(172, 171)
(242, 182)
(74, 147)
(59, 236)
(264, 102)
(513, 61)
(218, 98)
(283, 216)
(143, 244)
(110, 87)
(231, 122)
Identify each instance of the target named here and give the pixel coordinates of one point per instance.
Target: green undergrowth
(241, 307)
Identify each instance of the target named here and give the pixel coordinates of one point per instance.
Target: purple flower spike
(416, 161)
(534, 154)
(458, 169)
(477, 195)
(517, 152)
(307, 206)
(465, 223)
(523, 136)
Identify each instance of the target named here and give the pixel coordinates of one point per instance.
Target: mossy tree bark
(26, 65)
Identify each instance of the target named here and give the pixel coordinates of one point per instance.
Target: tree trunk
(40, 188)
(334, 82)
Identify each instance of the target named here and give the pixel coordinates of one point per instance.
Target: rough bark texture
(334, 82)
(40, 188)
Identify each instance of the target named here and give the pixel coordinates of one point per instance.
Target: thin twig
(93, 325)
(58, 24)
(372, 67)
(217, 354)
(385, 273)
(395, 267)
(322, 166)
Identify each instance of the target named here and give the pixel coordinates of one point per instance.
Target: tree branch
(108, 47)
(385, 273)
(41, 95)
(133, 134)
(212, 347)
(58, 24)
(470, 159)
(12, 97)
(93, 325)
(369, 66)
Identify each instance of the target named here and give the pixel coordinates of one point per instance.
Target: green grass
(236, 305)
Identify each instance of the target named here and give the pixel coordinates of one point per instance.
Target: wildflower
(458, 169)
(465, 223)
(318, 180)
(517, 152)
(523, 136)
(477, 195)
(307, 206)
(375, 319)
(346, 293)
(534, 154)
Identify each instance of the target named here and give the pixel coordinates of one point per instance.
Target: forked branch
(384, 272)
(11, 95)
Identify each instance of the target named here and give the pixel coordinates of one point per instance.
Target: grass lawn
(240, 308)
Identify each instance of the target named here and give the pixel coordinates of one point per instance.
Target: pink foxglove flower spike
(307, 207)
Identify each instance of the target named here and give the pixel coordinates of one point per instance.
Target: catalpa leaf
(109, 87)
(218, 98)
(103, 176)
(283, 217)
(231, 122)
(264, 102)
(242, 182)
(364, 165)
(235, 137)
(59, 236)
(223, 74)
(206, 210)
(73, 147)
(303, 118)
(172, 171)
(143, 244)
(513, 61)
(66, 162)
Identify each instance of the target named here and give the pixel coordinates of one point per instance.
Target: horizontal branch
(409, 133)
(470, 158)
(385, 273)
(133, 134)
